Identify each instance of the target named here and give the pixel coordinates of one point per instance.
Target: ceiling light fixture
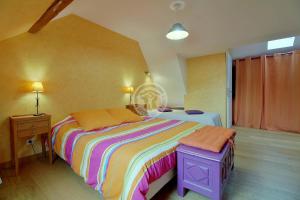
(177, 31)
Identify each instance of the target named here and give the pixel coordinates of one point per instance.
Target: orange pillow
(94, 119)
(124, 115)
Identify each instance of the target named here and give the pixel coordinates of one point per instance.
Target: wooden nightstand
(26, 126)
(138, 109)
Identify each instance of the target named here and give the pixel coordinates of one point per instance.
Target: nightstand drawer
(33, 131)
(21, 126)
(29, 128)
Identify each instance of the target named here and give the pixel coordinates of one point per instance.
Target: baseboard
(25, 159)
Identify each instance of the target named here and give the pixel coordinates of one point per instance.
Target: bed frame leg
(54, 158)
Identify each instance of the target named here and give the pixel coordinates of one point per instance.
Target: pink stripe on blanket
(71, 139)
(58, 125)
(69, 144)
(153, 173)
(97, 153)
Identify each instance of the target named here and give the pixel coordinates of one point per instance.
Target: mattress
(206, 118)
(121, 161)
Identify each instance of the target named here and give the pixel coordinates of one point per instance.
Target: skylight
(281, 43)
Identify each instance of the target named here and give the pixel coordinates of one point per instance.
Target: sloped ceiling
(214, 26)
(17, 16)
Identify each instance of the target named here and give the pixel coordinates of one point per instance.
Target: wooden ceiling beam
(55, 8)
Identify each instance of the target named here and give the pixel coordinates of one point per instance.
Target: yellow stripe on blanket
(120, 162)
(63, 131)
(78, 152)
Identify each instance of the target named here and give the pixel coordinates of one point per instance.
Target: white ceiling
(214, 26)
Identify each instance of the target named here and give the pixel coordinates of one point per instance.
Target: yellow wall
(18, 16)
(81, 64)
(206, 84)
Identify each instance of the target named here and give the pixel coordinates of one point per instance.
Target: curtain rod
(267, 55)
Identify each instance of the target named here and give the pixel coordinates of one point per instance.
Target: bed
(126, 161)
(206, 118)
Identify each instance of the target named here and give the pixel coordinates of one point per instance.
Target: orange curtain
(282, 92)
(267, 92)
(248, 100)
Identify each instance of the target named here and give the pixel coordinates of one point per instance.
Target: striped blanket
(121, 161)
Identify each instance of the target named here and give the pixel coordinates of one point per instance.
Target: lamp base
(38, 114)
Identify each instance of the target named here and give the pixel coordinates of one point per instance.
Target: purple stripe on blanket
(153, 173)
(72, 137)
(69, 145)
(56, 128)
(97, 153)
(66, 121)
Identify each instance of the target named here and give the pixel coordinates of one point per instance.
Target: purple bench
(203, 171)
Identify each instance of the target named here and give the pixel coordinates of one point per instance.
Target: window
(281, 43)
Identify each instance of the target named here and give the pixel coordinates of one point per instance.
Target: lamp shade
(177, 32)
(37, 87)
(128, 90)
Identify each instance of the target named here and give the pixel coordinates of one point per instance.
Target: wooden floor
(267, 167)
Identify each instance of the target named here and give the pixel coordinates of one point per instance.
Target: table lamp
(129, 90)
(37, 87)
